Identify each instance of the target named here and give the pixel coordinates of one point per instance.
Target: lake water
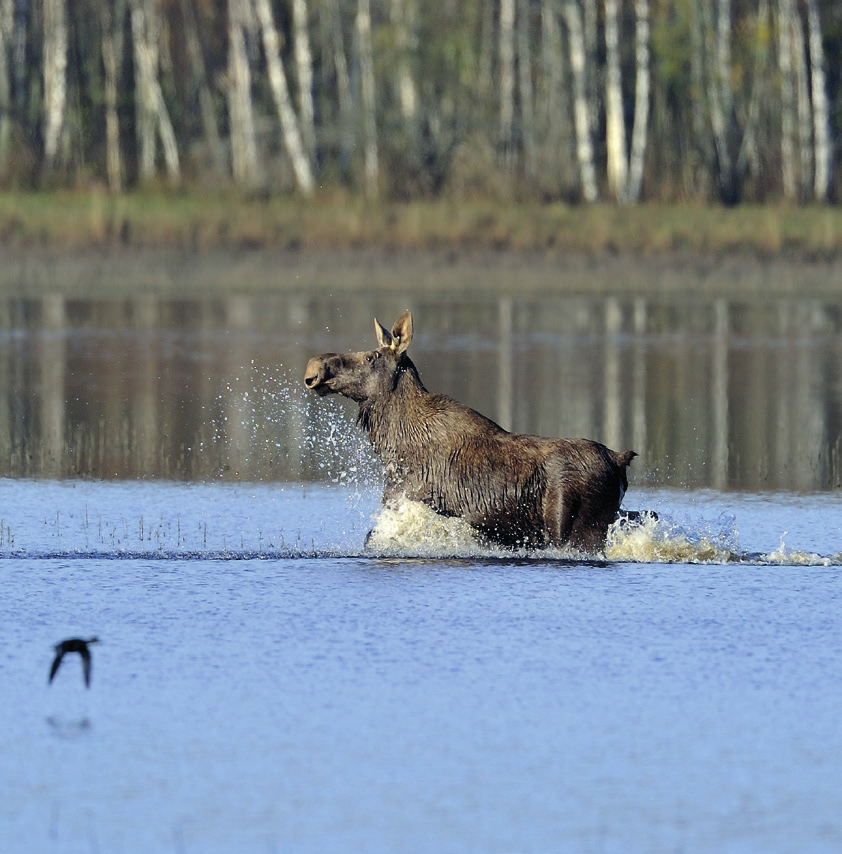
(265, 683)
(725, 393)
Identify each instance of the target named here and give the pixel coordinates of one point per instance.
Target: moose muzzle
(317, 374)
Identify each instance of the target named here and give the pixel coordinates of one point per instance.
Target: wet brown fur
(516, 490)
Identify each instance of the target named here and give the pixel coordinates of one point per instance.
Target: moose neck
(391, 414)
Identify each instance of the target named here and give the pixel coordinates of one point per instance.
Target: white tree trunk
(486, 82)
(507, 75)
(280, 91)
(6, 32)
(527, 110)
(625, 172)
(369, 105)
(20, 69)
(556, 105)
(55, 75)
(804, 109)
(615, 123)
(551, 55)
(244, 164)
(581, 105)
(749, 154)
(145, 99)
(152, 109)
(697, 84)
(113, 159)
(788, 120)
(403, 17)
(719, 90)
(640, 130)
(590, 32)
(200, 78)
(304, 72)
(821, 112)
(339, 60)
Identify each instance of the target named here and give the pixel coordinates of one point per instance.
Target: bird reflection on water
(69, 728)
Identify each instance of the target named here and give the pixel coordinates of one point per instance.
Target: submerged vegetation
(195, 222)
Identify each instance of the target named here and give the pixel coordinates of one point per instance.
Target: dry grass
(191, 221)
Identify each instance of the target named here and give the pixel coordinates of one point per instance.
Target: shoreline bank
(215, 272)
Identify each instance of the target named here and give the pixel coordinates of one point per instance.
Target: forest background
(522, 123)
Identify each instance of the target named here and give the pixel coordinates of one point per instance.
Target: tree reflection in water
(712, 393)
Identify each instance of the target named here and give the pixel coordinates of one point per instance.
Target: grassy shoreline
(183, 244)
(75, 221)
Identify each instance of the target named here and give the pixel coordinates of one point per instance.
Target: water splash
(410, 529)
(655, 539)
(272, 429)
(797, 557)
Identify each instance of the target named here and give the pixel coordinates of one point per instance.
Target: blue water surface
(285, 691)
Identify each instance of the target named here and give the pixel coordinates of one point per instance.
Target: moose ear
(398, 339)
(384, 337)
(402, 333)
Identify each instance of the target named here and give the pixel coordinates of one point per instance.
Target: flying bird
(74, 645)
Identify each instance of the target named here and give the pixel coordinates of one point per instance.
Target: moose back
(515, 490)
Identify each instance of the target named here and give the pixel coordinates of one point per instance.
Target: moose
(515, 490)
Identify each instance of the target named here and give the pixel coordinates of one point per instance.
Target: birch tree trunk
(152, 111)
(111, 27)
(557, 104)
(551, 56)
(366, 58)
(6, 32)
(821, 113)
(200, 80)
(720, 96)
(20, 69)
(640, 129)
(581, 104)
(615, 124)
(55, 76)
(749, 155)
(625, 172)
(304, 70)
(700, 135)
(280, 91)
(590, 30)
(487, 51)
(507, 76)
(402, 22)
(145, 107)
(527, 111)
(335, 47)
(804, 109)
(788, 120)
(244, 165)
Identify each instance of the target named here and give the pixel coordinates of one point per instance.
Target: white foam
(411, 528)
(408, 528)
(796, 557)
